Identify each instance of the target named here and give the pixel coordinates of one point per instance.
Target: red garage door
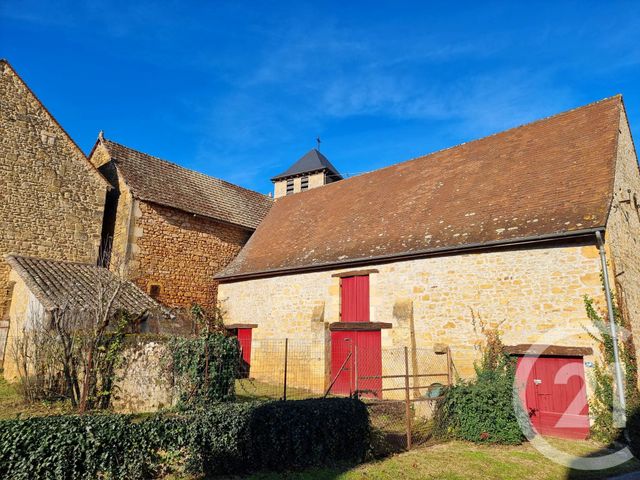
(554, 394)
(356, 360)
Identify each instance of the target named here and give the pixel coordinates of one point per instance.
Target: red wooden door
(354, 299)
(244, 338)
(356, 360)
(554, 394)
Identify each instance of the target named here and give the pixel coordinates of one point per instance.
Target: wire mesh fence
(400, 385)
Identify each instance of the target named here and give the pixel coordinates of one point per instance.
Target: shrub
(225, 438)
(482, 410)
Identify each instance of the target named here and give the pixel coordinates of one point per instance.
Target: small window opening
(290, 186)
(154, 291)
(304, 183)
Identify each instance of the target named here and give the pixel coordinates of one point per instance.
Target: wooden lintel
(359, 326)
(355, 273)
(555, 350)
(233, 326)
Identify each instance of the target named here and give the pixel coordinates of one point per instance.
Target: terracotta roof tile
(59, 284)
(546, 178)
(159, 181)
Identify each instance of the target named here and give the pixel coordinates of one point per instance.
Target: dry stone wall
(144, 380)
(51, 198)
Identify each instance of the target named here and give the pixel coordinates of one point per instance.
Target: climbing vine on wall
(205, 366)
(601, 404)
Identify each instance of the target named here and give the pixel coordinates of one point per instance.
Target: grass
(460, 460)
(12, 405)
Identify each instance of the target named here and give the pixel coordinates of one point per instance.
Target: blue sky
(240, 90)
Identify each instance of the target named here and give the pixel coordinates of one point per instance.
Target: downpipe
(619, 407)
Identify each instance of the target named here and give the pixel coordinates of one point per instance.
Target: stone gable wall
(181, 252)
(51, 199)
(623, 230)
(526, 293)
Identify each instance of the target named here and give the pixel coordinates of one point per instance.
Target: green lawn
(459, 460)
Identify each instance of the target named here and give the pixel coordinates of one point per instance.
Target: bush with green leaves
(482, 410)
(223, 438)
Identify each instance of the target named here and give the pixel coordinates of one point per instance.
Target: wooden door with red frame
(356, 362)
(553, 392)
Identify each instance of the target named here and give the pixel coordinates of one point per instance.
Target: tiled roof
(59, 284)
(159, 181)
(546, 178)
(312, 161)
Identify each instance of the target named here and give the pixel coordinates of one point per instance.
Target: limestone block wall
(51, 198)
(623, 230)
(526, 293)
(180, 252)
(144, 380)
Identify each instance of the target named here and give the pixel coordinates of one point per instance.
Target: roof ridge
(475, 140)
(169, 162)
(33, 257)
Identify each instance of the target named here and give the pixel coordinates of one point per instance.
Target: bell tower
(312, 170)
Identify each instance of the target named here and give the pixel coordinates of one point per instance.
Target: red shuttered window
(354, 299)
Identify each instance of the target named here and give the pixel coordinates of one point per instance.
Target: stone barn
(174, 229)
(503, 231)
(51, 197)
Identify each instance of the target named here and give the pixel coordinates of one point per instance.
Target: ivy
(223, 438)
(601, 403)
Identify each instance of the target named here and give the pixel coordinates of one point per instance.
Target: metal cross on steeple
(318, 143)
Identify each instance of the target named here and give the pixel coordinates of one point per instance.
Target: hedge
(224, 438)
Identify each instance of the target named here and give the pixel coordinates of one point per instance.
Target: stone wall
(180, 252)
(24, 308)
(623, 230)
(51, 198)
(144, 381)
(120, 242)
(526, 293)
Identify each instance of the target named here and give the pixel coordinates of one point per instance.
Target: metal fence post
(449, 366)
(286, 361)
(407, 398)
(356, 369)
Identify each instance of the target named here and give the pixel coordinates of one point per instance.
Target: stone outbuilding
(51, 197)
(502, 231)
(171, 228)
(42, 287)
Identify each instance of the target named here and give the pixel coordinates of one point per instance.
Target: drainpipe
(619, 410)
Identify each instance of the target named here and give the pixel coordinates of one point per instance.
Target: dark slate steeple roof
(312, 161)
